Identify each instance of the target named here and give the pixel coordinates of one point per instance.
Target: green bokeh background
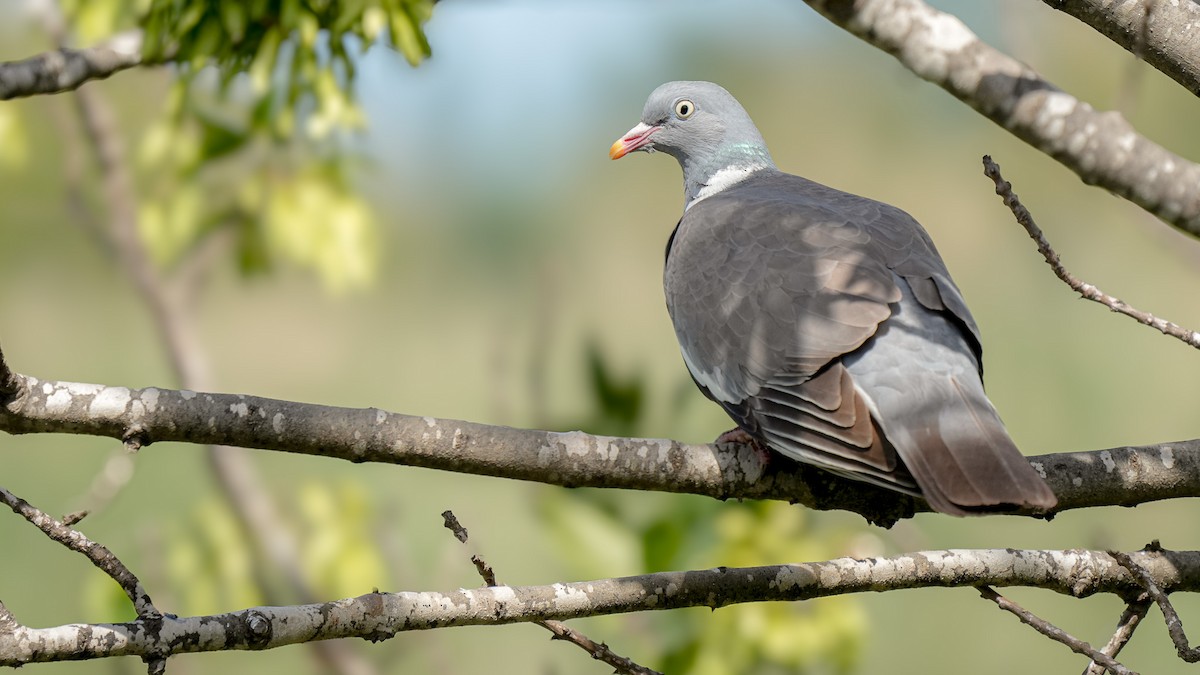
(510, 245)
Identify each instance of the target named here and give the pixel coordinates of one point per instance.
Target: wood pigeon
(824, 323)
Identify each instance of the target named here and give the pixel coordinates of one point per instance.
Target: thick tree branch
(1164, 34)
(1118, 476)
(378, 616)
(65, 68)
(1101, 148)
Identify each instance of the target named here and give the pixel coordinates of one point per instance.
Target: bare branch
(1088, 291)
(1174, 623)
(1101, 148)
(1118, 476)
(65, 68)
(100, 556)
(1054, 632)
(1130, 619)
(597, 650)
(378, 616)
(10, 382)
(1164, 34)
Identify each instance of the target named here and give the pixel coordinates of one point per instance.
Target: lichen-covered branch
(378, 616)
(1163, 33)
(66, 68)
(1118, 476)
(1102, 148)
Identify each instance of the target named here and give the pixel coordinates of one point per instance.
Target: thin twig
(1053, 632)
(1088, 291)
(8, 622)
(99, 555)
(10, 383)
(1130, 619)
(598, 650)
(1174, 623)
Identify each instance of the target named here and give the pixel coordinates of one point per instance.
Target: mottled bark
(378, 616)
(1118, 476)
(1163, 33)
(64, 69)
(1102, 148)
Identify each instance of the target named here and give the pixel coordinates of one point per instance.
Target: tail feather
(960, 454)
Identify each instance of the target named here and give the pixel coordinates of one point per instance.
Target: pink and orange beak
(637, 139)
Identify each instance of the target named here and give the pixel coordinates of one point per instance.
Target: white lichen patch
(1167, 454)
(187, 394)
(430, 422)
(659, 448)
(1077, 481)
(944, 37)
(1039, 468)
(110, 403)
(504, 594)
(58, 402)
(575, 443)
(1106, 459)
(47, 388)
(239, 409)
(149, 399)
(83, 388)
(380, 417)
(570, 598)
(277, 423)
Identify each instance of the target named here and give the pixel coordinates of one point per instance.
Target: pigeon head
(705, 129)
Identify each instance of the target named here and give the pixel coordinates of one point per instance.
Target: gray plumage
(824, 323)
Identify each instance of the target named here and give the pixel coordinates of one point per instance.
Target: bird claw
(741, 437)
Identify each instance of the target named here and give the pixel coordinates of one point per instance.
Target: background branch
(1162, 33)
(172, 310)
(65, 68)
(1103, 149)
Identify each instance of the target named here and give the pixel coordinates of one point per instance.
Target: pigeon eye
(684, 108)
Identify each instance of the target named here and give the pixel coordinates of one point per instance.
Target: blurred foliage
(209, 569)
(225, 153)
(599, 531)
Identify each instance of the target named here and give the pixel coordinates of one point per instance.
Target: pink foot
(740, 437)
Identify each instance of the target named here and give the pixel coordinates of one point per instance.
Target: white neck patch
(723, 179)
